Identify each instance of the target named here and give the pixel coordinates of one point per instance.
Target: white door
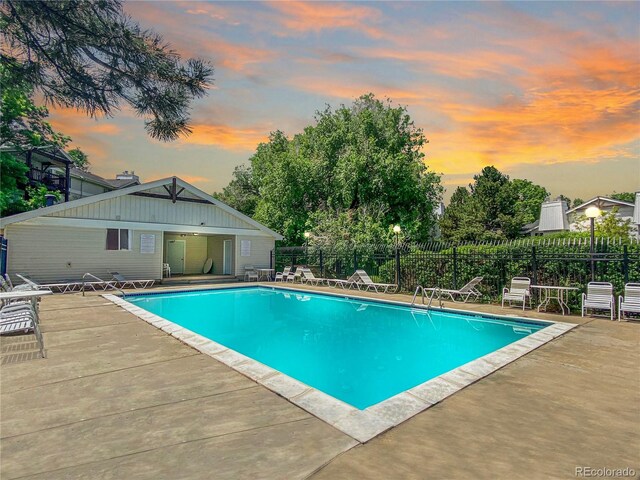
(175, 255)
(226, 258)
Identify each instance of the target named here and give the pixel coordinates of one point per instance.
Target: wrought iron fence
(565, 262)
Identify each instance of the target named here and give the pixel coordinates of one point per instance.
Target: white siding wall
(260, 252)
(51, 253)
(132, 208)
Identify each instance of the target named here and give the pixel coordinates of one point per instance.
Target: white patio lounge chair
(369, 284)
(463, 293)
(309, 277)
(62, 287)
(122, 282)
(519, 291)
(350, 282)
(630, 301)
(283, 275)
(21, 318)
(599, 296)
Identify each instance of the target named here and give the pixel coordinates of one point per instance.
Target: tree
(90, 55)
(23, 126)
(80, 159)
(241, 192)
(576, 202)
(629, 197)
(493, 208)
(610, 225)
(529, 197)
(347, 178)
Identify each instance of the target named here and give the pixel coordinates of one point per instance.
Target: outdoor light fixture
(397, 229)
(306, 246)
(592, 213)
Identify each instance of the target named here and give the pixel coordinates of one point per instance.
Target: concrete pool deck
(118, 398)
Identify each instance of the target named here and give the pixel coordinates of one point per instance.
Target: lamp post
(592, 213)
(306, 247)
(397, 230)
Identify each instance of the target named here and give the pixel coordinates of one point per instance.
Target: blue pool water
(358, 351)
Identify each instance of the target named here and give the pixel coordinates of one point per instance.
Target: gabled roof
(189, 191)
(90, 177)
(601, 202)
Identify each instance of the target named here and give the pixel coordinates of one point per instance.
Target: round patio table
(266, 273)
(554, 292)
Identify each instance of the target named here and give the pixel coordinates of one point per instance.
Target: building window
(118, 239)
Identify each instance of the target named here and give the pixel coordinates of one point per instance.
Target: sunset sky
(548, 91)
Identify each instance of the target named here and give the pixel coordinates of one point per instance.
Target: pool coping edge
(362, 425)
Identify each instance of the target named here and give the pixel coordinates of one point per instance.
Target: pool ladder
(420, 289)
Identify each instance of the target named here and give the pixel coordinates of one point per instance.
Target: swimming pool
(359, 351)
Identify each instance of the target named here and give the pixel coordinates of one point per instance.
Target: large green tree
(492, 208)
(23, 126)
(92, 56)
(347, 178)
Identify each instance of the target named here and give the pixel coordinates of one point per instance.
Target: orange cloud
(226, 137)
(316, 16)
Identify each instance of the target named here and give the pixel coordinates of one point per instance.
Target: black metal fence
(566, 262)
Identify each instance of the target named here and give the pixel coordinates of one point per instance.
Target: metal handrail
(107, 284)
(421, 289)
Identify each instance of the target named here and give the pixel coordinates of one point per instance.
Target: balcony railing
(48, 179)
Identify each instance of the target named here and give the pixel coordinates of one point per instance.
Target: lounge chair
(21, 318)
(599, 296)
(519, 291)
(369, 284)
(283, 275)
(630, 301)
(468, 290)
(353, 280)
(122, 282)
(309, 277)
(62, 287)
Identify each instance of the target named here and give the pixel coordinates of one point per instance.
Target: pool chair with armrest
(519, 291)
(21, 318)
(283, 275)
(630, 301)
(250, 273)
(122, 282)
(462, 294)
(367, 284)
(599, 296)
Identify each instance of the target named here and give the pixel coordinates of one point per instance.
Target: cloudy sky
(548, 91)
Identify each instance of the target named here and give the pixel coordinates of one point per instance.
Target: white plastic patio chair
(599, 296)
(519, 291)
(369, 284)
(468, 290)
(250, 273)
(630, 301)
(283, 275)
(21, 318)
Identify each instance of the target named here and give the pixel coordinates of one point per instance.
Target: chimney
(126, 175)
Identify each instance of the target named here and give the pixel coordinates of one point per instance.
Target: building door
(175, 255)
(226, 258)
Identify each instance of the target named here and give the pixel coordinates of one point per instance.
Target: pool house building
(142, 231)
